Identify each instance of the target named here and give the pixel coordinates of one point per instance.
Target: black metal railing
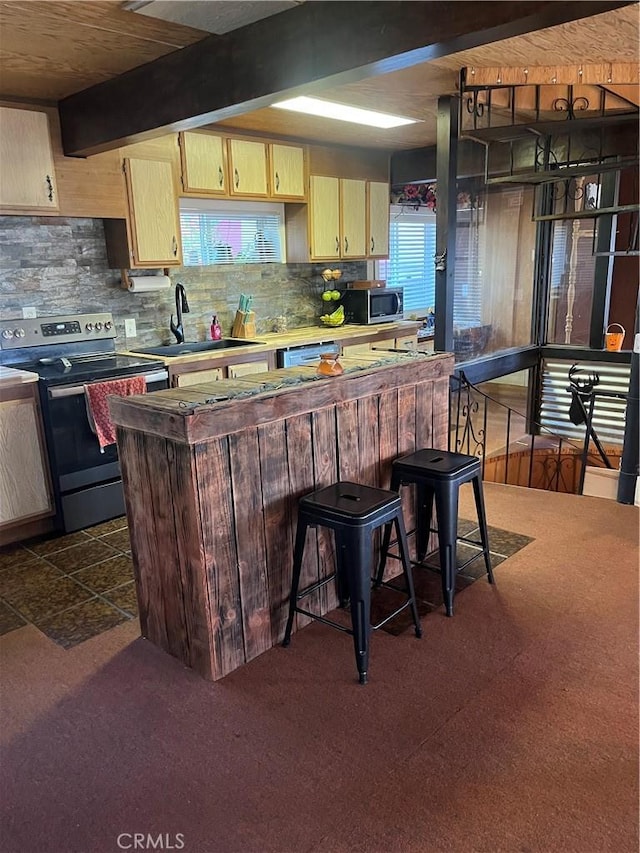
(513, 448)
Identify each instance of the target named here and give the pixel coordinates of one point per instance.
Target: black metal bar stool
(439, 474)
(353, 512)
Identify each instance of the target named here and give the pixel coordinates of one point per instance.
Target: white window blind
(467, 294)
(228, 232)
(412, 247)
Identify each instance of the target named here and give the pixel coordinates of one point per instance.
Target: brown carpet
(511, 727)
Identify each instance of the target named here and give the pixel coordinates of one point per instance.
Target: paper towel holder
(125, 282)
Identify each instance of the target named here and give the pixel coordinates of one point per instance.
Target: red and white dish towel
(97, 395)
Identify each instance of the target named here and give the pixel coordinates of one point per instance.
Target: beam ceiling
(305, 49)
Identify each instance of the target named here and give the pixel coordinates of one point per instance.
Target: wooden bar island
(212, 475)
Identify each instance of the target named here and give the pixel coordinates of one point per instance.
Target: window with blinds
(412, 248)
(467, 293)
(228, 232)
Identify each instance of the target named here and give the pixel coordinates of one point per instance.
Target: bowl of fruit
(336, 318)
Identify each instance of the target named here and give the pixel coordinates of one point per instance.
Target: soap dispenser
(216, 331)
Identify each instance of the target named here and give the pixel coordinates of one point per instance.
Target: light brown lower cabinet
(25, 490)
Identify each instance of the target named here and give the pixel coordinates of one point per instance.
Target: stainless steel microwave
(377, 305)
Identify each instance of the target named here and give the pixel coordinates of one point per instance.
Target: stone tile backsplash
(59, 266)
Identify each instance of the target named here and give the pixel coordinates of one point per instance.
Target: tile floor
(70, 587)
(426, 578)
(76, 586)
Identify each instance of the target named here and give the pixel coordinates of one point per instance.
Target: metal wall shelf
(509, 133)
(592, 213)
(563, 173)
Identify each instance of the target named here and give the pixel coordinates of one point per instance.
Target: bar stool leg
(424, 510)
(358, 564)
(342, 581)
(406, 566)
(447, 509)
(482, 521)
(384, 550)
(298, 552)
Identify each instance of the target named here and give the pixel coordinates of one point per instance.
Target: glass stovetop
(88, 368)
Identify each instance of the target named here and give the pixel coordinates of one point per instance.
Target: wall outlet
(29, 313)
(130, 328)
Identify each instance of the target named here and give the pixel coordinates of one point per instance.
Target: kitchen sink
(196, 346)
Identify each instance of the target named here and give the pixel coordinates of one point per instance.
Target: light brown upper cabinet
(150, 237)
(287, 171)
(27, 178)
(333, 225)
(324, 217)
(203, 161)
(248, 168)
(353, 218)
(377, 219)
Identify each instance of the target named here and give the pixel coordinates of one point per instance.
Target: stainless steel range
(69, 352)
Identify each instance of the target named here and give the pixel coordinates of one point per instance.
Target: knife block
(244, 325)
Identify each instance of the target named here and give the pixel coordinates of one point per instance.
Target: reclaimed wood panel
(368, 439)
(325, 472)
(301, 482)
(407, 444)
(221, 559)
(388, 409)
(279, 510)
(250, 541)
(424, 414)
(191, 557)
(348, 446)
(153, 542)
(440, 414)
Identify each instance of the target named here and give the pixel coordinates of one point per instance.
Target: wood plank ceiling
(49, 50)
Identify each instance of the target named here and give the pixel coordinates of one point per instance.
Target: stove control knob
(7, 334)
(18, 333)
(98, 326)
(108, 326)
(89, 327)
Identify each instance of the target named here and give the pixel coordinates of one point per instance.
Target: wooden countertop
(296, 337)
(199, 412)
(11, 376)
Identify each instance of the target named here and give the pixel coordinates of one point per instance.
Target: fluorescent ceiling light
(342, 112)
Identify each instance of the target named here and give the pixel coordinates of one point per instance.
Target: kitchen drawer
(195, 377)
(246, 369)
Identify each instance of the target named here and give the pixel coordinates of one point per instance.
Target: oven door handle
(74, 390)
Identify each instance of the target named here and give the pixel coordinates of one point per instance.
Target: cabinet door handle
(373, 245)
(237, 176)
(277, 181)
(220, 176)
(337, 246)
(174, 247)
(49, 188)
(346, 245)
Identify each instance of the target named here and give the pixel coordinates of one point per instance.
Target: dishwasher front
(304, 355)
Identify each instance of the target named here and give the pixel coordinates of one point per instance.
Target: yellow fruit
(335, 294)
(327, 295)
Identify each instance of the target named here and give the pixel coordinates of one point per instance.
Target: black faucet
(181, 306)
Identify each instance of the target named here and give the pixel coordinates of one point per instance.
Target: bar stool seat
(353, 512)
(438, 475)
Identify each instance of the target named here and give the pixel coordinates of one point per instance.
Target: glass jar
(329, 364)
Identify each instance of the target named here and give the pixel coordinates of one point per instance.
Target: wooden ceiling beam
(594, 74)
(301, 50)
